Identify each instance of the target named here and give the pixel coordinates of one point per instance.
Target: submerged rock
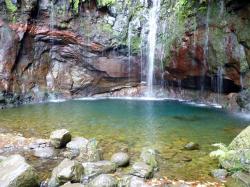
(242, 141)
(101, 167)
(192, 146)
(143, 170)
(15, 172)
(104, 180)
(66, 171)
(149, 157)
(60, 138)
(131, 181)
(91, 153)
(120, 159)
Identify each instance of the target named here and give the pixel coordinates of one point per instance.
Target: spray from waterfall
(152, 38)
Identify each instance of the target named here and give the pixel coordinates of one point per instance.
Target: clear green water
(164, 125)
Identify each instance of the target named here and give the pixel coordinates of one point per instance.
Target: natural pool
(164, 125)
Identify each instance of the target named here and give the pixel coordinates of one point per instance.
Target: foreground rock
(66, 171)
(72, 185)
(143, 170)
(101, 167)
(15, 172)
(235, 157)
(220, 174)
(77, 143)
(104, 180)
(120, 159)
(46, 152)
(60, 138)
(242, 141)
(239, 179)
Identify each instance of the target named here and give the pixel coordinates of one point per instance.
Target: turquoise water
(164, 125)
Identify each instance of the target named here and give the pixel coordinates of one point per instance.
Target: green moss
(76, 6)
(135, 44)
(107, 28)
(103, 3)
(10, 6)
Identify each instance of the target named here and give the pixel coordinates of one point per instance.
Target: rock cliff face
(71, 48)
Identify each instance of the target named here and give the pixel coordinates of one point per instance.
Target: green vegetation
(76, 6)
(103, 3)
(10, 6)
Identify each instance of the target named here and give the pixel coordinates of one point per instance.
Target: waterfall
(206, 47)
(129, 52)
(152, 38)
(219, 82)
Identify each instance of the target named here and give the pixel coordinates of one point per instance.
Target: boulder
(192, 146)
(91, 153)
(104, 180)
(15, 172)
(242, 141)
(77, 143)
(149, 157)
(120, 159)
(238, 179)
(220, 174)
(100, 167)
(66, 171)
(235, 160)
(46, 152)
(72, 185)
(143, 170)
(60, 138)
(131, 181)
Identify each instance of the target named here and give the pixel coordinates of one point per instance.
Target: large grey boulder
(91, 153)
(60, 138)
(104, 180)
(242, 141)
(15, 172)
(101, 167)
(143, 170)
(66, 171)
(120, 159)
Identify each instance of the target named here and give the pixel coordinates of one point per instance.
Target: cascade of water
(142, 54)
(206, 48)
(129, 51)
(152, 37)
(219, 82)
(222, 7)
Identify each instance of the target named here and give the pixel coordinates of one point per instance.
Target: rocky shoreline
(77, 161)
